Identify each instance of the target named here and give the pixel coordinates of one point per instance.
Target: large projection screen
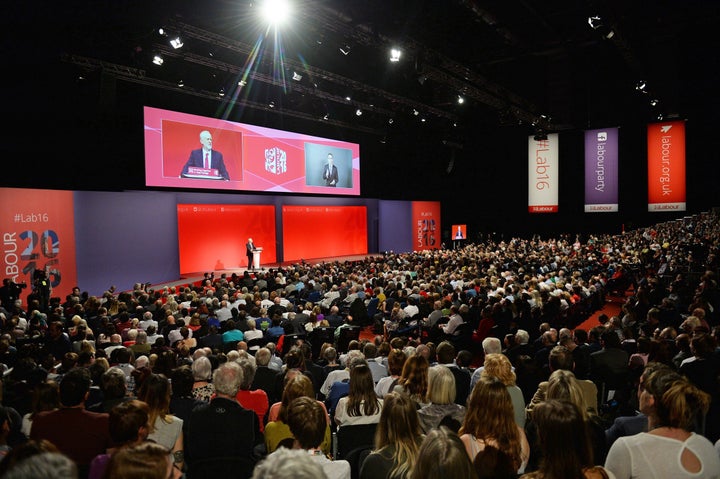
(324, 231)
(245, 157)
(213, 237)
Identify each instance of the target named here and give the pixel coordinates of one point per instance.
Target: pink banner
(543, 174)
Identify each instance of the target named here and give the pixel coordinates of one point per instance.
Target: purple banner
(601, 170)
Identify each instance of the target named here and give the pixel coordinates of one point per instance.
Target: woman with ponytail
(669, 449)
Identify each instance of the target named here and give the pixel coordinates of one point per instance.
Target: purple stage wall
(127, 237)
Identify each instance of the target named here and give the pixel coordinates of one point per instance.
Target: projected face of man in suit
(206, 140)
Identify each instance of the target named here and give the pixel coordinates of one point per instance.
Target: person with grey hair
(141, 345)
(490, 345)
(223, 432)
(202, 372)
(44, 464)
(264, 376)
(113, 384)
(289, 464)
(255, 399)
(147, 321)
(341, 374)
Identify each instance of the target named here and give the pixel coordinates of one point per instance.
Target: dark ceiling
(516, 63)
(512, 60)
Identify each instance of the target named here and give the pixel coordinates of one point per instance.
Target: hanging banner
(543, 174)
(601, 170)
(38, 235)
(426, 225)
(666, 166)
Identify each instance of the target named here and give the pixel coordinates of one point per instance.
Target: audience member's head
(74, 387)
(442, 454)
(288, 464)
(147, 460)
(307, 421)
(227, 379)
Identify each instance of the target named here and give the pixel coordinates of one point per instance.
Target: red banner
(426, 225)
(38, 234)
(666, 166)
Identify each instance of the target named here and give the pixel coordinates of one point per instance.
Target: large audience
(480, 361)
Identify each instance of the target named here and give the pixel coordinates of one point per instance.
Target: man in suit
(249, 247)
(222, 429)
(609, 367)
(330, 172)
(206, 157)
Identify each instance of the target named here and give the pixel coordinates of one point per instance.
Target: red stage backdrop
(426, 225)
(323, 231)
(213, 237)
(38, 232)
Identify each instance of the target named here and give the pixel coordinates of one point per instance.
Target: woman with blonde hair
(489, 421)
(441, 396)
(397, 440)
(498, 366)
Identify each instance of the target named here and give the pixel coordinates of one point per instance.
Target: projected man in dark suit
(206, 157)
(330, 172)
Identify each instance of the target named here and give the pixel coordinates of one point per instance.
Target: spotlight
(242, 83)
(415, 112)
(391, 121)
(641, 85)
(158, 59)
(161, 31)
(221, 92)
(271, 104)
(654, 102)
(595, 22)
(345, 49)
(460, 100)
(347, 98)
(180, 83)
(297, 76)
(395, 54)
(660, 116)
(176, 43)
(358, 112)
(326, 117)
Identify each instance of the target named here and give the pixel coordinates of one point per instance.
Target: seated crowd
(472, 362)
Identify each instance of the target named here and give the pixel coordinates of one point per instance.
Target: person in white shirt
(361, 405)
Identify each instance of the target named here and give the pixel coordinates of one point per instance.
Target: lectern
(256, 258)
